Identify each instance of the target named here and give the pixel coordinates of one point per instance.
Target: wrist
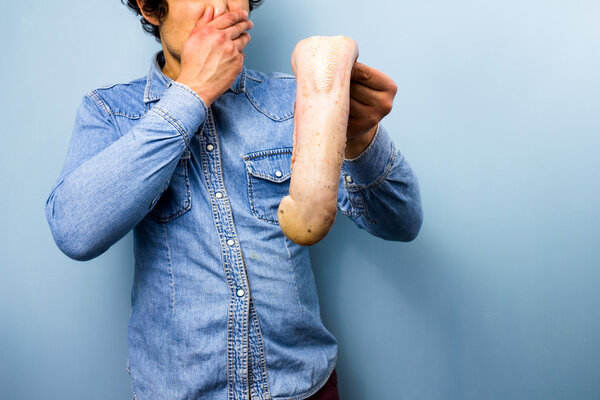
(206, 98)
(355, 146)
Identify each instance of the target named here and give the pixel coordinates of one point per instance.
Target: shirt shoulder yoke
(122, 99)
(272, 93)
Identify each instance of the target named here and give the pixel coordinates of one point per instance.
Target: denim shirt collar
(157, 81)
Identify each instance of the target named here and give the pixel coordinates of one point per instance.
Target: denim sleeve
(109, 180)
(380, 192)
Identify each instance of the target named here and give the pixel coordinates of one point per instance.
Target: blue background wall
(497, 111)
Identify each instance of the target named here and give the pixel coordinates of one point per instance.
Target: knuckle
(221, 36)
(387, 107)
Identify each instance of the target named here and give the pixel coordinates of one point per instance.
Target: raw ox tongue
(322, 66)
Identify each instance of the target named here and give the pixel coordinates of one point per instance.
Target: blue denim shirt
(224, 306)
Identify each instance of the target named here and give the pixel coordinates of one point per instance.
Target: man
(195, 158)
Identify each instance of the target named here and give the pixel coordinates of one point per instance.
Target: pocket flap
(273, 165)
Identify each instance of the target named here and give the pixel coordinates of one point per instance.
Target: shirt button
(218, 195)
(230, 242)
(349, 179)
(240, 292)
(278, 173)
(210, 147)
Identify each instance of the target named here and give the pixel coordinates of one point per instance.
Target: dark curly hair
(159, 9)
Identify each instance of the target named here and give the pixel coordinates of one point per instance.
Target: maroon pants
(329, 391)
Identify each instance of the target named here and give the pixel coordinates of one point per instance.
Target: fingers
(359, 110)
(206, 17)
(220, 8)
(371, 77)
(365, 94)
(367, 103)
(226, 20)
(362, 115)
(239, 28)
(234, 25)
(242, 41)
(359, 72)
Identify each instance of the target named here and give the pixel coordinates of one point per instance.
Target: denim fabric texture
(224, 306)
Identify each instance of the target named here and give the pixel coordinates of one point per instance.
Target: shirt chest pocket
(268, 173)
(176, 199)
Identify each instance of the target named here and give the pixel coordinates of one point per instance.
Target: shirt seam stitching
(99, 102)
(172, 121)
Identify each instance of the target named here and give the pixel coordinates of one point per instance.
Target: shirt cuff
(372, 163)
(182, 108)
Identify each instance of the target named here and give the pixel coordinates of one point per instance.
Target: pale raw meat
(322, 66)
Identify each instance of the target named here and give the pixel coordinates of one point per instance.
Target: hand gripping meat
(322, 66)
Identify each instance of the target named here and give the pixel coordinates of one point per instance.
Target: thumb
(360, 72)
(203, 20)
(207, 16)
(220, 7)
(356, 70)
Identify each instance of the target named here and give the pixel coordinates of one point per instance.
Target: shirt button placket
(238, 324)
